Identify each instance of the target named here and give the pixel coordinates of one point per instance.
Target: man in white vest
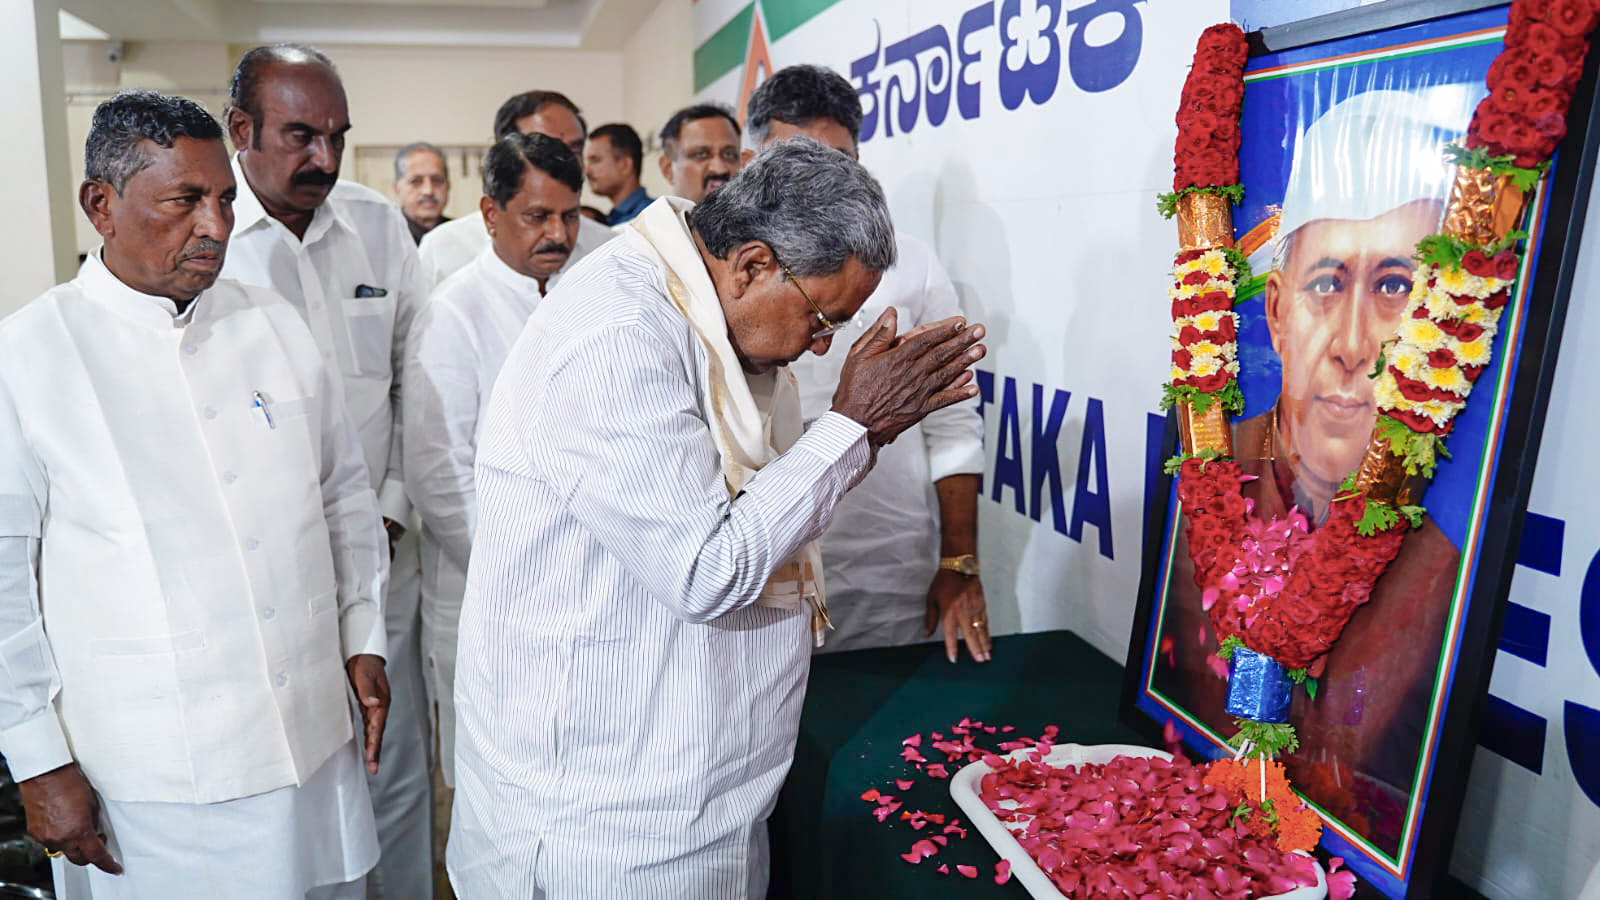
(191, 565)
(530, 203)
(342, 255)
(901, 555)
(459, 241)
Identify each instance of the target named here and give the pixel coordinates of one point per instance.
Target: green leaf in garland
(1241, 269)
(1268, 813)
(1413, 515)
(1378, 517)
(1167, 204)
(1524, 178)
(1311, 688)
(1382, 361)
(1229, 644)
(1348, 484)
(1441, 250)
(1420, 452)
(1298, 676)
(1268, 739)
(1241, 813)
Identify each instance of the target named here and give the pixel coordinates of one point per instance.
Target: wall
(446, 95)
(36, 235)
(658, 79)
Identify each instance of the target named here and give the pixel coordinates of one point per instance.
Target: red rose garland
(1279, 587)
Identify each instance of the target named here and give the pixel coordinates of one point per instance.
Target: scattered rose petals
(944, 869)
(903, 784)
(871, 795)
(914, 741)
(1002, 871)
(920, 851)
(937, 770)
(968, 871)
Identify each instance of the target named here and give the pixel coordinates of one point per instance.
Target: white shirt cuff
(35, 746)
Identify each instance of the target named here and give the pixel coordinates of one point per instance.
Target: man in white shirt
(901, 555)
(531, 187)
(456, 243)
(700, 150)
(342, 256)
(645, 585)
(191, 567)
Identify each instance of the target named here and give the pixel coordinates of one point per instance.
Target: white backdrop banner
(1026, 140)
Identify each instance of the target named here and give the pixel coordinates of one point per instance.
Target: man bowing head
(645, 586)
(191, 563)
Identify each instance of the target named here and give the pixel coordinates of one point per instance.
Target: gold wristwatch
(965, 564)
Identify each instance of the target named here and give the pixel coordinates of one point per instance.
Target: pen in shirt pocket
(260, 403)
(367, 290)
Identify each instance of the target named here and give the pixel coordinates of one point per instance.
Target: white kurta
(356, 281)
(456, 348)
(199, 554)
(452, 245)
(625, 713)
(882, 550)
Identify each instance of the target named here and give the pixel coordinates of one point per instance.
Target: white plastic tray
(965, 785)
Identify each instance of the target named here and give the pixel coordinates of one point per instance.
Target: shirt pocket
(369, 327)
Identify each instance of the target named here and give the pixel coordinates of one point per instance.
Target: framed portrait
(1344, 126)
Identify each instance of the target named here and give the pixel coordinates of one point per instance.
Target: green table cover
(861, 705)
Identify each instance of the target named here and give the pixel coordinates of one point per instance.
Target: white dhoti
(316, 841)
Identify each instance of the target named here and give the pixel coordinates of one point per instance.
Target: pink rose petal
(968, 871)
(1002, 871)
(903, 784)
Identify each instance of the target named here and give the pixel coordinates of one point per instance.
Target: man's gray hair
(413, 147)
(113, 152)
(814, 206)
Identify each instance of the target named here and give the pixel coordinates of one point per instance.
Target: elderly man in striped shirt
(645, 586)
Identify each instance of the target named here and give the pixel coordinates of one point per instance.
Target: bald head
(288, 118)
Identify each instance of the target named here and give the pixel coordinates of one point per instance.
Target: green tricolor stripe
(724, 51)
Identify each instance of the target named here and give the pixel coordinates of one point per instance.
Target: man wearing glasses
(699, 150)
(888, 540)
(645, 586)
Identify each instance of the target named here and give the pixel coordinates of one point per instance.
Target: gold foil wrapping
(1383, 476)
(1204, 221)
(1483, 208)
(1205, 432)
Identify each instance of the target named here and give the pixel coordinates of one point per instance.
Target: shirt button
(190, 349)
(251, 544)
(280, 679)
(267, 613)
(229, 478)
(210, 412)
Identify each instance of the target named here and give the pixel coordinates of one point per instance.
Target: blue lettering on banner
(1044, 486)
(1515, 733)
(1008, 466)
(918, 74)
(1046, 461)
(1093, 507)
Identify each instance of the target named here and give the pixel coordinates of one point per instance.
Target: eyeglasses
(829, 326)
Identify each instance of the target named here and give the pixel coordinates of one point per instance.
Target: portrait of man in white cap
(1368, 180)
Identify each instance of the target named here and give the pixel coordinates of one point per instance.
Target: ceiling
(585, 24)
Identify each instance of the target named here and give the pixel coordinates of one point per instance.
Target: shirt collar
(518, 283)
(631, 204)
(249, 213)
(99, 284)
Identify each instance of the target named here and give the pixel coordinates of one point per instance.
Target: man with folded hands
(645, 586)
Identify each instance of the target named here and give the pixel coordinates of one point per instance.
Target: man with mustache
(700, 150)
(422, 187)
(191, 566)
(901, 555)
(1367, 182)
(645, 585)
(341, 254)
(530, 203)
(454, 244)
